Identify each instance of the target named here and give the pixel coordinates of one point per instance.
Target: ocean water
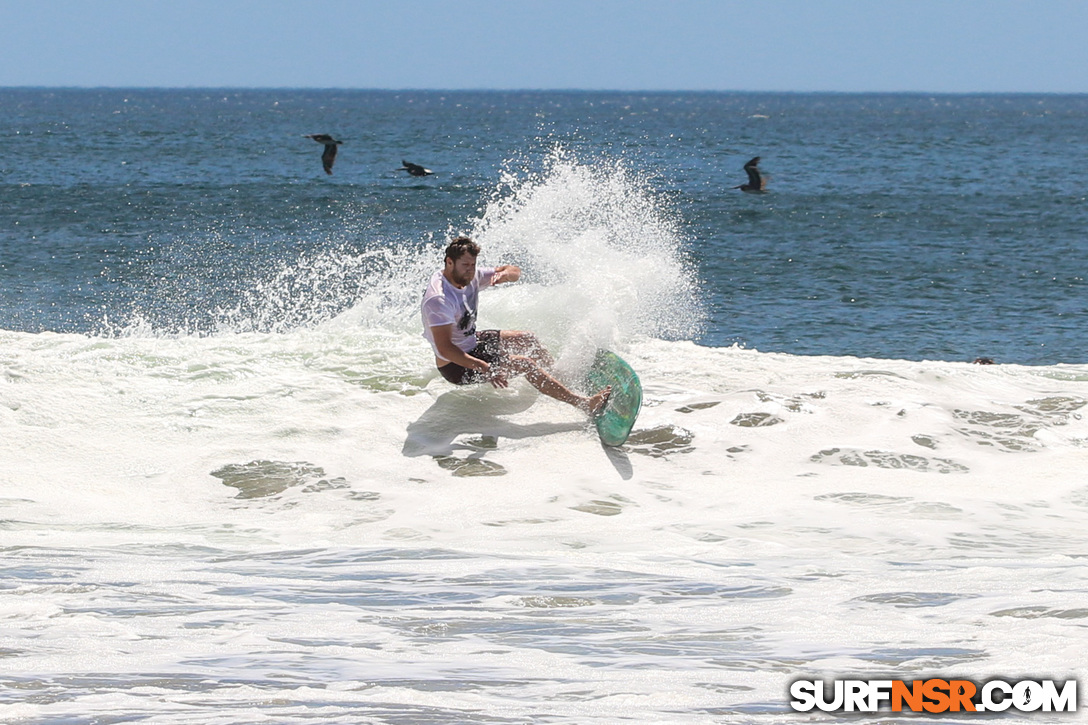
(234, 490)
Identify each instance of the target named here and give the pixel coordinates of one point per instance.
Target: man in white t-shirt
(465, 356)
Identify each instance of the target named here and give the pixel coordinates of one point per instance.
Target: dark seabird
(415, 169)
(329, 143)
(756, 183)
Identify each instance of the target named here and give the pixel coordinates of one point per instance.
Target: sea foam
(304, 522)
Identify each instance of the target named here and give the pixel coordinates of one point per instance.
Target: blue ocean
(233, 488)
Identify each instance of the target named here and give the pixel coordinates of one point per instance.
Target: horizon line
(410, 89)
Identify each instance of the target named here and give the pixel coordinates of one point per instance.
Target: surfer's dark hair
(461, 246)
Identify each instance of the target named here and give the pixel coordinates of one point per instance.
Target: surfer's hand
(494, 377)
(498, 379)
(506, 273)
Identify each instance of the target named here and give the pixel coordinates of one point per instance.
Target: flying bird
(329, 156)
(756, 183)
(415, 169)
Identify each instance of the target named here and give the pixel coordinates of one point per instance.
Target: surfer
(465, 356)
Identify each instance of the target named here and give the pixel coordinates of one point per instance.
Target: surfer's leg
(545, 383)
(519, 342)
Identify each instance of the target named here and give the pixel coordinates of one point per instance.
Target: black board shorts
(487, 349)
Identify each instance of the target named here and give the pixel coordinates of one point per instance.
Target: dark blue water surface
(898, 226)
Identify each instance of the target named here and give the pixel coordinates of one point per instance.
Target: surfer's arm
(506, 273)
(443, 342)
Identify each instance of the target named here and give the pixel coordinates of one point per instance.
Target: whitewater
(292, 518)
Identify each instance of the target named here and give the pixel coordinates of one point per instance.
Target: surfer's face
(461, 271)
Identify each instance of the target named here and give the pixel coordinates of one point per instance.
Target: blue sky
(783, 45)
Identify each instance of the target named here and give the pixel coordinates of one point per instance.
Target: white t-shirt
(444, 304)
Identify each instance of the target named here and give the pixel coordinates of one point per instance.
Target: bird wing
(755, 179)
(328, 157)
(415, 169)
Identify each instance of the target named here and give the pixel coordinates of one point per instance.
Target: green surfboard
(615, 423)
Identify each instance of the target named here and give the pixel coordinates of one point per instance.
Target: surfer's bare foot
(595, 404)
